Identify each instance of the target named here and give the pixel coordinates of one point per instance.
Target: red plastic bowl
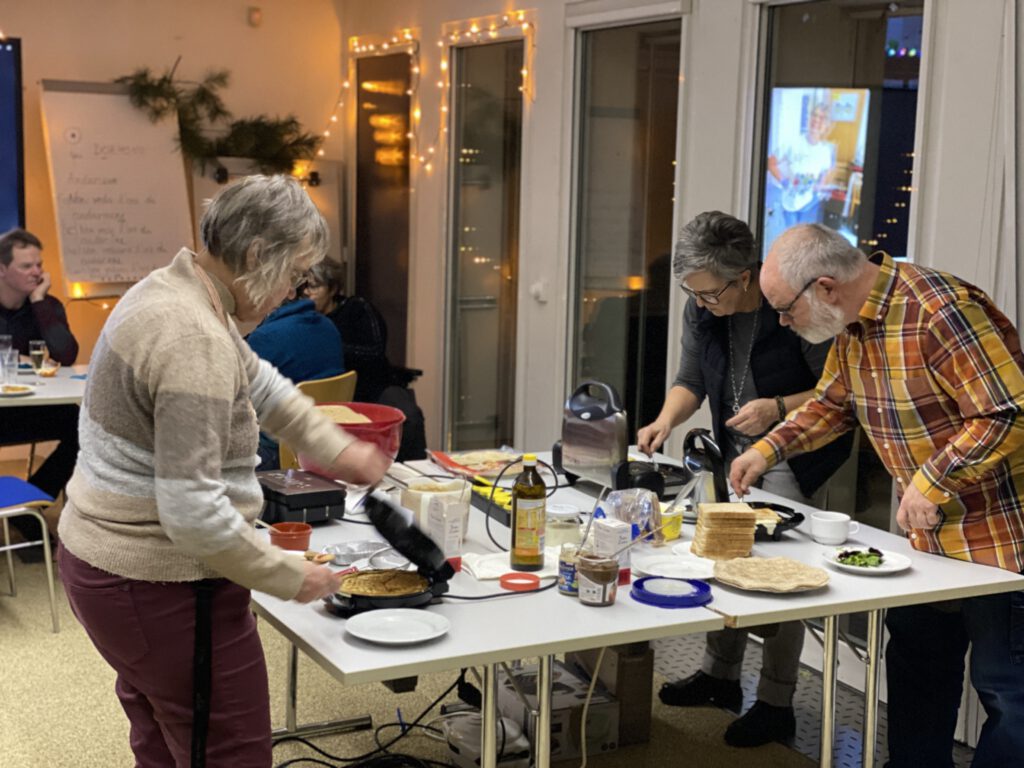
(384, 429)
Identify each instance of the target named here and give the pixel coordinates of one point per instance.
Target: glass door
(626, 134)
(382, 193)
(484, 243)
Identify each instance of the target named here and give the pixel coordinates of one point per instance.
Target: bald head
(807, 251)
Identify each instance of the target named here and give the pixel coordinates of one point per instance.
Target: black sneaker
(762, 724)
(700, 688)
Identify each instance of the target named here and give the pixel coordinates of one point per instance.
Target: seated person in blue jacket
(28, 312)
(303, 345)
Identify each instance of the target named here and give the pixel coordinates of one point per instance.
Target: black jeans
(924, 670)
(36, 424)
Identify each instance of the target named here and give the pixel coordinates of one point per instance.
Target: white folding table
(483, 633)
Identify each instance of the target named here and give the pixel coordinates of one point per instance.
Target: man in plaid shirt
(932, 372)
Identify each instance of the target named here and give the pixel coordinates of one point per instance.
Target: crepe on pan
(770, 574)
(383, 583)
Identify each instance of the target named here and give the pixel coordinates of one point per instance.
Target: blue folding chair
(18, 497)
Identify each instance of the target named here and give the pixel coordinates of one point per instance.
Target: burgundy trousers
(145, 631)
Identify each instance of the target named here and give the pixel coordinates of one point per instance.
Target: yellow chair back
(335, 389)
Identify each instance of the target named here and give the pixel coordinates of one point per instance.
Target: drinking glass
(37, 354)
(9, 366)
(6, 342)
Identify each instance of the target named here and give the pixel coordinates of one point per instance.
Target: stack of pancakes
(724, 530)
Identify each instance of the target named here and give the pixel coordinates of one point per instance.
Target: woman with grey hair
(752, 371)
(157, 551)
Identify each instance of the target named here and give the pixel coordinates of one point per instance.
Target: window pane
(484, 242)
(841, 105)
(382, 193)
(629, 83)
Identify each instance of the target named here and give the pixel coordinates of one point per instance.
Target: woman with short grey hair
(158, 553)
(752, 371)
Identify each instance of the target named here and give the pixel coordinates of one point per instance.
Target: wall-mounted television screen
(815, 159)
(12, 177)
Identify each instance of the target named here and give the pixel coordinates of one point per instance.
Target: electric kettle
(702, 460)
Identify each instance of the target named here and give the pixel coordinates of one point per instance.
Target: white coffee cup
(832, 527)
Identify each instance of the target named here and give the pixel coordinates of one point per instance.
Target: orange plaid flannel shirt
(932, 371)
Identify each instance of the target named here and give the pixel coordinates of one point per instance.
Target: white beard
(826, 322)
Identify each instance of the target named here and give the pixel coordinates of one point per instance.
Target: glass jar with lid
(563, 525)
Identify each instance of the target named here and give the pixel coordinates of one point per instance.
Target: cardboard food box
(569, 691)
(627, 671)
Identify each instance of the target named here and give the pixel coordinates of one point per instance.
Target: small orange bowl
(291, 535)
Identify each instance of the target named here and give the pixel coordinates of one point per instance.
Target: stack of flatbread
(724, 530)
(770, 574)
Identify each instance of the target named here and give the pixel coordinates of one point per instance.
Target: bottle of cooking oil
(528, 518)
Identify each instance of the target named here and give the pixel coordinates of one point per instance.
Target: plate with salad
(867, 561)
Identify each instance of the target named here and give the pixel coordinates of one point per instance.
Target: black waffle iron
(294, 496)
(414, 545)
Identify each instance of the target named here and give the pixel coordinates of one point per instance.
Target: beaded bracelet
(781, 403)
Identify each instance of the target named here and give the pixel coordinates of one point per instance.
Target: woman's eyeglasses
(707, 297)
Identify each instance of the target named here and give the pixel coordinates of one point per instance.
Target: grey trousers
(723, 655)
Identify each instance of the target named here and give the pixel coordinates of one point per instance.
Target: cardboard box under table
(568, 694)
(627, 672)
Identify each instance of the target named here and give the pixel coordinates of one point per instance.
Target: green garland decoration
(274, 144)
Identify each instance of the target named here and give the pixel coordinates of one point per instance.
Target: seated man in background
(28, 312)
(303, 345)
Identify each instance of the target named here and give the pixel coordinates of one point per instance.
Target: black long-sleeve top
(44, 320)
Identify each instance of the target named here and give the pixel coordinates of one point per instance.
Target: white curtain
(965, 207)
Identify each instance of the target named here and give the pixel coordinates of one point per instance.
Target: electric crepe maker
(394, 588)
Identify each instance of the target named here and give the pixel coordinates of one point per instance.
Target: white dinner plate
(892, 562)
(24, 390)
(674, 566)
(397, 626)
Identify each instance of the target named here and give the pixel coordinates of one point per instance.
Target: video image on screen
(815, 159)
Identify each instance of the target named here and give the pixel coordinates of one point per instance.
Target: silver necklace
(737, 391)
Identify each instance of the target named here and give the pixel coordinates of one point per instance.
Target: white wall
(289, 64)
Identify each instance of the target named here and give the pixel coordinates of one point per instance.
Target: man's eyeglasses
(788, 309)
(707, 297)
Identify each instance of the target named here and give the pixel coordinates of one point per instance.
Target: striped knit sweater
(165, 488)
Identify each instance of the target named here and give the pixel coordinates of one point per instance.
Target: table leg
(291, 726)
(542, 757)
(871, 675)
(828, 691)
(489, 718)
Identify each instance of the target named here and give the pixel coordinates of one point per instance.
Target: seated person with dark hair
(28, 312)
(366, 339)
(360, 325)
(303, 345)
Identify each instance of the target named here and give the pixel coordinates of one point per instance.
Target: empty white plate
(674, 566)
(397, 626)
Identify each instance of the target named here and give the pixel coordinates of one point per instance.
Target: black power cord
(364, 759)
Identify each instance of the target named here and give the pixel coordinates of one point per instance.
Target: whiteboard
(119, 187)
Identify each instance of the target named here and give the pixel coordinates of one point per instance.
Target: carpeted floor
(58, 708)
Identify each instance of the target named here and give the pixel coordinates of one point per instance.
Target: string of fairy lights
(424, 146)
